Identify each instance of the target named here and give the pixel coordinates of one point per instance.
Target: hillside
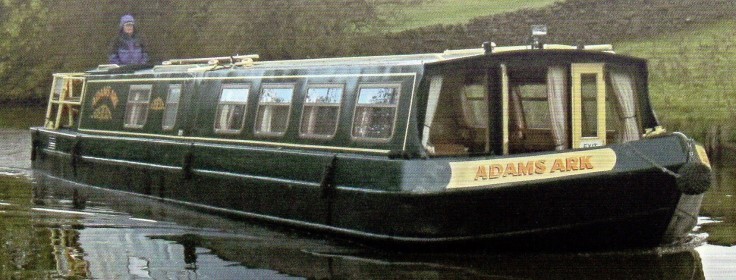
(689, 42)
(410, 14)
(692, 80)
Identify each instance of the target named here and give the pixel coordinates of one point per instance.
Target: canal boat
(522, 146)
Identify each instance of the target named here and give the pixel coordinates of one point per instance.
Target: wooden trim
(505, 107)
(578, 69)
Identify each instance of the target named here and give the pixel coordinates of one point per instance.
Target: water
(46, 233)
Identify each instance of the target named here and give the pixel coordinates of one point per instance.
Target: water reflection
(49, 234)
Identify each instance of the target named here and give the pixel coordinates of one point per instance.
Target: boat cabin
(475, 102)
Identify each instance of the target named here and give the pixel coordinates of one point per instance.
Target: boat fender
(327, 184)
(694, 178)
(187, 165)
(76, 153)
(34, 148)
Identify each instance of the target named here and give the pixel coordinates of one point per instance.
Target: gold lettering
(527, 169)
(510, 170)
(494, 171)
(540, 167)
(481, 173)
(571, 164)
(585, 162)
(557, 166)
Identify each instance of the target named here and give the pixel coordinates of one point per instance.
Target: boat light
(538, 31)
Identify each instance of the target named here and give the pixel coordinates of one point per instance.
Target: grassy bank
(21, 117)
(415, 14)
(692, 80)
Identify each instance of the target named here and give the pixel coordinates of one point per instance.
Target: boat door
(588, 104)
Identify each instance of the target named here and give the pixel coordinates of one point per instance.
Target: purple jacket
(127, 50)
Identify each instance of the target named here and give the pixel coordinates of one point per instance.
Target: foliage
(691, 76)
(21, 41)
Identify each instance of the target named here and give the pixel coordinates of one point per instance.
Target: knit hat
(126, 19)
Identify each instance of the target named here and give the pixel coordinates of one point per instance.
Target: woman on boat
(127, 47)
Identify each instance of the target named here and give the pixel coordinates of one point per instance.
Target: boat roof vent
(105, 67)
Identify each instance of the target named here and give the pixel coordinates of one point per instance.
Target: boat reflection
(49, 234)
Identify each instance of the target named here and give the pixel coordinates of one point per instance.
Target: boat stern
(694, 178)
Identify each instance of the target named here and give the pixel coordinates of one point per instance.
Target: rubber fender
(695, 178)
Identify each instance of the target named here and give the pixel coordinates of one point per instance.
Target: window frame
(147, 103)
(337, 117)
(246, 86)
(166, 107)
(256, 124)
(395, 86)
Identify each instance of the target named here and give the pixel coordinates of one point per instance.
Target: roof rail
(237, 59)
(494, 49)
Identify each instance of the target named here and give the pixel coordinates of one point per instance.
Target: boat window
(321, 111)
(136, 110)
(534, 104)
(456, 122)
(375, 112)
(475, 104)
(538, 109)
(273, 109)
(589, 92)
(172, 107)
(231, 108)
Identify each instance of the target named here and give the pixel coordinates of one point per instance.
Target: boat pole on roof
(212, 60)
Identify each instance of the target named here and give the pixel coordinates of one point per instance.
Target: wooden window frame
(166, 108)
(397, 87)
(260, 103)
(128, 103)
(219, 103)
(337, 117)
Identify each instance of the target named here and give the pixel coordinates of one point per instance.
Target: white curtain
(267, 118)
(518, 114)
(556, 90)
(623, 88)
(435, 86)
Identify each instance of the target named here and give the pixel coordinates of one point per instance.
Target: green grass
(409, 15)
(692, 77)
(20, 117)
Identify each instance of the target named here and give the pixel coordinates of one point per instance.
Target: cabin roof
(251, 62)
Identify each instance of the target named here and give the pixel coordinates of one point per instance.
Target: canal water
(47, 231)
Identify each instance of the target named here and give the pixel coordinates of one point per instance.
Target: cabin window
(321, 111)
(456, 122)
(375, 112)
(231, 108)
(589, 93)
(273, 109)
(172, 107)
(136, 110)
(475, 104)
(538, 109)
